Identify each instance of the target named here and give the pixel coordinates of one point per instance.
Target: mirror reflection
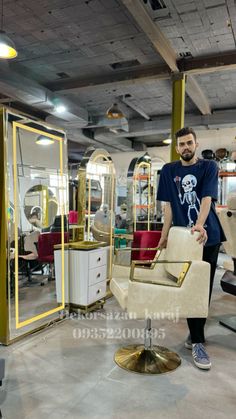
(37, 206)
(40, 206)
(96, 196)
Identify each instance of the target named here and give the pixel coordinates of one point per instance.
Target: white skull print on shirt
(189, 182)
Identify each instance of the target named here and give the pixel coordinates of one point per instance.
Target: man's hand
(202, 238)
(162, 243)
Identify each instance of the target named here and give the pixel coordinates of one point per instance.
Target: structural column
(178, 108)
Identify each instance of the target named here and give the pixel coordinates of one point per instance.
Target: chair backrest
(145, 239)
(181, 246)
(56, 226)
(227, 218)
(47, 241)
(30, 240)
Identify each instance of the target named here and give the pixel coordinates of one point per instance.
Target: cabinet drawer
(97, 291)
(97, 275)
(97, 258)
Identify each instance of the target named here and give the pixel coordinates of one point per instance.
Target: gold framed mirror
(139, 194)
(96, 190)
(36, 192)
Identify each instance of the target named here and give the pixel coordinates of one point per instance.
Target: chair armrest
(178, 283)
(135, 248)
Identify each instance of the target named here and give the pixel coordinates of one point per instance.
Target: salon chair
(46, 243)
(176, 282)
(142, 241)
(56, 226)
(227, 218)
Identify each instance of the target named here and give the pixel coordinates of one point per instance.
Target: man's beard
(188, 156)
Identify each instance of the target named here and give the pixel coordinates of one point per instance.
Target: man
(189, 188)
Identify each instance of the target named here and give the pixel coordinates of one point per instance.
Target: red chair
(145, 239)
(46, 244)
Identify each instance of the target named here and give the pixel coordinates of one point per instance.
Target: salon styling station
(34, 191)
(88, 257)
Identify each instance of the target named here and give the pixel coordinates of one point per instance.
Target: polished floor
(68, 371)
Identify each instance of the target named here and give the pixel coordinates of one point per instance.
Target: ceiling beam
(161, 72)
(30, 92)
(189, 66)
(162, 124)
(208, 64)
(164, 48)
(153, 32)
(197, 96)
(131, 102)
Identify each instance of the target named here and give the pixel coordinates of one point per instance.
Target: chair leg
(147, 358)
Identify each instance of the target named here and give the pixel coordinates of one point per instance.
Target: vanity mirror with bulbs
(34, 197)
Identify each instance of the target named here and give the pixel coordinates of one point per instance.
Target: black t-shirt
(184, 187)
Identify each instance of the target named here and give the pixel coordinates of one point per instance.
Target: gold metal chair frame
(149, 358)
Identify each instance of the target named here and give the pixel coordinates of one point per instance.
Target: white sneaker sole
(188, 345)
(202, 366)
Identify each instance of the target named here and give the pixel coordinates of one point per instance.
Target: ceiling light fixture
(7, 47)
(42, 140)
(60, 108)
(167, 141)
(114, 112)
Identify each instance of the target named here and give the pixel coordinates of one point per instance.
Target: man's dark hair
(185, 131)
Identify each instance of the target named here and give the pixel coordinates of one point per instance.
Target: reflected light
(42, 140)
(167, 141)
(60, 108)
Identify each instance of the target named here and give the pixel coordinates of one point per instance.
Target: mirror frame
(133, 178)
(19, 324)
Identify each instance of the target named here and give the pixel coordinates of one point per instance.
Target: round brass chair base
(156, 360)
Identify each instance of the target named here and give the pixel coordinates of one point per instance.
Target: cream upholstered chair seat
(227, 217)
(176, 283)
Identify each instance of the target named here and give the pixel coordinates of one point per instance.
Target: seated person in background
(26, 252)
(35, 217)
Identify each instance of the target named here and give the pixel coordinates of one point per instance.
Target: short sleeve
(210, 181)
(163, 189)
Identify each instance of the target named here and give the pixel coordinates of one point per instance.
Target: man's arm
(166, 226)
(202, 216)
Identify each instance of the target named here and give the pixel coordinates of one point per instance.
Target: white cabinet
(87, 275)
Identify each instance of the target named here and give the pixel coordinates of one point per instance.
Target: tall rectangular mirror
(35, 220)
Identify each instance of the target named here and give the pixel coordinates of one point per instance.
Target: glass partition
(36, 207)
(139, 197)
(96, 189)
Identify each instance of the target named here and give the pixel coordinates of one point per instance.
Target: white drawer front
(97, 258)
(97, 275)
(97, 291)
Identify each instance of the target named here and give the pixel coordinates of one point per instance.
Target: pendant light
(7, 47)
(114, 112)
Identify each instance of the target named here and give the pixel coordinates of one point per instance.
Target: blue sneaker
(200, 356)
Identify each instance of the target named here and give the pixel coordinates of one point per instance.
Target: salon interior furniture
(56, 226)
(227, 217)
(176, 282)
(142, 242)
(87, 272)
(46, 243)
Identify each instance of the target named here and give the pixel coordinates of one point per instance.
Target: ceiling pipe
(32, 93)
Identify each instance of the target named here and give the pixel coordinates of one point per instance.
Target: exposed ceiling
(88, 54)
